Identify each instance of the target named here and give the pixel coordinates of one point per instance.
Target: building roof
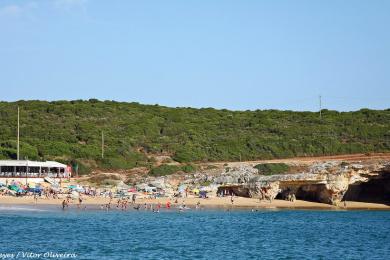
(50, 164)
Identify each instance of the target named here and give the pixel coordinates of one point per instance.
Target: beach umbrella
(13, 187)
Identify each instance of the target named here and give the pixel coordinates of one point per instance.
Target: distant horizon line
(185, 107)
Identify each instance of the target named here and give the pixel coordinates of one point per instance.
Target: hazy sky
(211, 53)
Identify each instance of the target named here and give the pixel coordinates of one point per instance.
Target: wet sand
(239, 202)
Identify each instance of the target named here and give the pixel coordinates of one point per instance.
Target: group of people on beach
(65, 203)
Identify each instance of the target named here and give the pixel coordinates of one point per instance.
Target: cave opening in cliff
(307, 192)
(236, 190)
(311, 192)
(375, 190)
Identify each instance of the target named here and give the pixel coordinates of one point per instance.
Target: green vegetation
(164, 169)
(71, 131)
(272, 168)
(188, 168)
(167, 169)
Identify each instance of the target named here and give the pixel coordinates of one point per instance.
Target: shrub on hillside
(272, 168)
(164, 169)
(188, 168)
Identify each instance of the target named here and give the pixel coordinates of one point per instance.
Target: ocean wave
(12, 208)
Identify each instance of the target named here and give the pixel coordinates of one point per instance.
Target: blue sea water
(204, 234)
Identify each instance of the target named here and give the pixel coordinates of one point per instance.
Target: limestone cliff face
(327, 182)
(324, 182)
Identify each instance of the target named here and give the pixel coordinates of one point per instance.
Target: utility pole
(320, 107)
(102, 145)
(17, 149)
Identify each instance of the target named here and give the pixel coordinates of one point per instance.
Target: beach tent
(35, 190)
(150, 189)
(203, 194)
(182, 188)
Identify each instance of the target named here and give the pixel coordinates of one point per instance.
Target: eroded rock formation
(326, 182)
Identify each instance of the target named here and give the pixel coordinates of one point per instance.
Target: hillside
(71, 131)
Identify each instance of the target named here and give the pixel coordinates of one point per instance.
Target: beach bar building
(33, 169)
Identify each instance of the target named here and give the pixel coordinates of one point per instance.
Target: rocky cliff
(327, 182)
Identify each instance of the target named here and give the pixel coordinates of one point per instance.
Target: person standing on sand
(345, 203)
(63, 204)
(133, 198)
(231, 199)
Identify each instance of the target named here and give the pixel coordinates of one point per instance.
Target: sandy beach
(239, 202)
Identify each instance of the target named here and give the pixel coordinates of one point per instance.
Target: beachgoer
(63, 204)
(231, 199)
(80, 201)
(168, 205)
(133, 198)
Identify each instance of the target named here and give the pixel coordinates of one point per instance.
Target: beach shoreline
(219, 203)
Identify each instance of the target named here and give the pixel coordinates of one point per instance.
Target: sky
(240, 55)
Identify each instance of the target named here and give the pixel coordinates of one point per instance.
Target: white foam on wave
(12, 208)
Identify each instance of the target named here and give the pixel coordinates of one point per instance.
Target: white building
(33, 169)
